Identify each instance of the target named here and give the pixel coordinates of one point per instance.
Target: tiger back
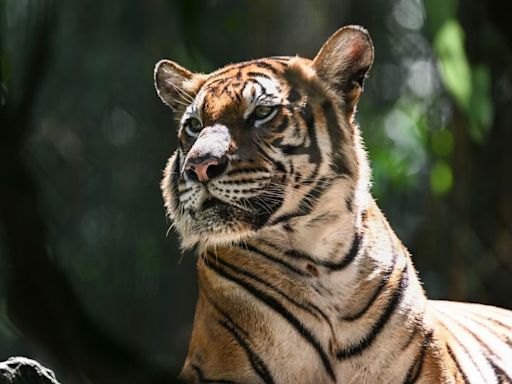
(301, 278)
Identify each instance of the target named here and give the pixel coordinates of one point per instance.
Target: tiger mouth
(213, 202)
(213, 206)
(215, 214)
(222, 208)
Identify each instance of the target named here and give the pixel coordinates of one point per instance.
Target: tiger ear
(174, 84)
(344, 61)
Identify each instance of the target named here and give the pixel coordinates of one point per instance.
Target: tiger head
(261, 142)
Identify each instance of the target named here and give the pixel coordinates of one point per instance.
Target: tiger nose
(203, 170)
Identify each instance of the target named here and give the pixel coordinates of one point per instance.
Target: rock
(20, 370)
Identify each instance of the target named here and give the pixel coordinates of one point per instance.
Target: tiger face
(261, 141)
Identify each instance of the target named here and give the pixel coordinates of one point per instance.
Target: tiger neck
(328, 232)
(354, 271)
(339, 250)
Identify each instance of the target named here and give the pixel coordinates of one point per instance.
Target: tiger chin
(301, 278)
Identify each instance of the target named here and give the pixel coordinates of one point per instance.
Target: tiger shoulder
(301, 278)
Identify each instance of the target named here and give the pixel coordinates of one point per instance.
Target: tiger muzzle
(208, 157)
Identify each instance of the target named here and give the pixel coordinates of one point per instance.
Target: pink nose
(203, 170)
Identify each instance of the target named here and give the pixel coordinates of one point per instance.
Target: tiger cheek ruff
(301, 279)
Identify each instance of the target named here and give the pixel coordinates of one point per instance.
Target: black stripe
(310, 308)
(381, 285)
(484, 318)
(240, 335)
(322, 219)
(185, 191)
(375, 294)
(457, 365)
(281, 127)
(336, 136)
(462, 344)
(288, 149)
(268, 145)
(366, 341)
(287, 217)
(257, 363)
(259, 74)
(293, 96)
(283, 64)
(279, 167)
(263, 88)
(410, 338)
(264, 210)
(484, 321)
(239, 188)
(307, 203)
(262, 152)
(223, 71)
(312, 150)
(212, 302)
(348, 258)
(334, 266)
(213, 84)
(175, 177)
(245, 170)
(490, 353)
(265, 65)
(501, 375)
(241, 181)
(349, 202)
(239, 66)
(281, 310)
(225, 88)
(315, 155)
(290, 267)
(415, 369)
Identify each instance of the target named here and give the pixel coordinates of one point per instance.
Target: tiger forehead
(241, 71)
(237, 88)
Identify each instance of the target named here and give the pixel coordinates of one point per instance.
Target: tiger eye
(194, 125)
(262, 111)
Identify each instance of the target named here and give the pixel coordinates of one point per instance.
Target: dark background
(90, 284)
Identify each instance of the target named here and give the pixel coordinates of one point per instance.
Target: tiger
(301, 278)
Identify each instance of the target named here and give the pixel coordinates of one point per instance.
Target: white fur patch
(263, 92)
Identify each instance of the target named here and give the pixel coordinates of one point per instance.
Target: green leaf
(453, 63)
(441, 178)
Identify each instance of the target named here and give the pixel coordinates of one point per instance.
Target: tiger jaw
(217, 223)
(215, 214)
